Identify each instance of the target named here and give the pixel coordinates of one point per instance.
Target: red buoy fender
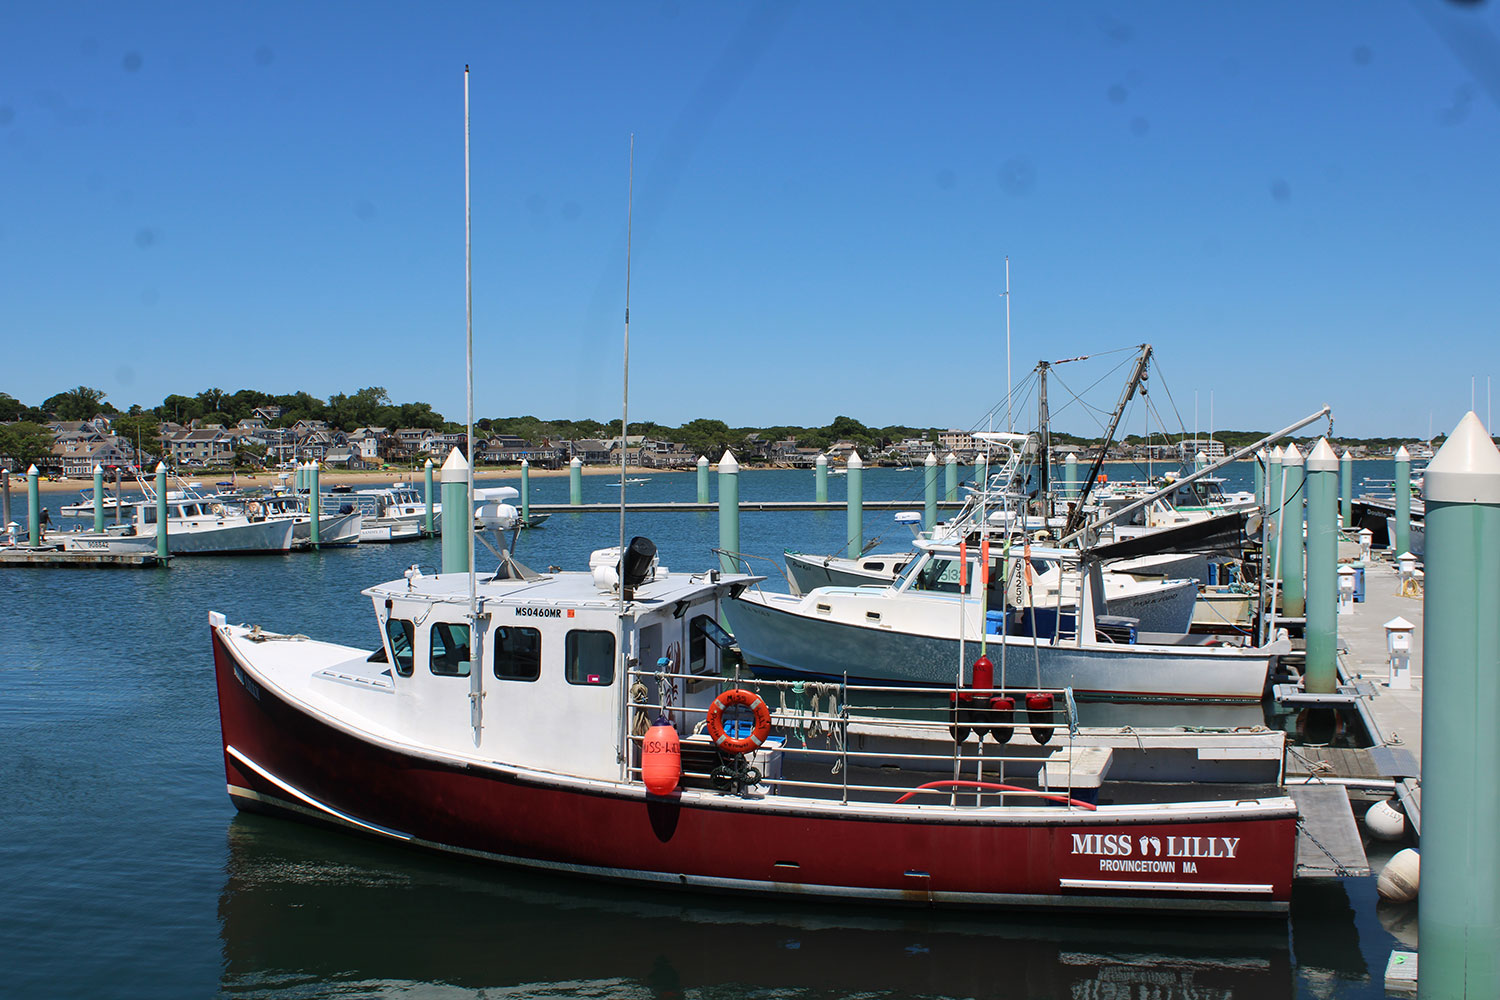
(739, 744)
(661, 758)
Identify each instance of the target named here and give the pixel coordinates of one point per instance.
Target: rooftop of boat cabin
(574, 589)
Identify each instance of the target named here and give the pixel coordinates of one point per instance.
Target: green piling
(314, 503)
(455, 505)
(1346, 489)
(703, 479)
(161, 510)
(34, 506)
(1321, 672)
(1261, 458)
(950, 477)
(428, 523)
(929, 505)
(98, 499)
(856, 505)
(1070, 477)
(1402, 541)
(1272, 528)
(575, 481)
(525, 491)
(1200, 462)
(820, 479)
(1293, 602)
(729, 513)
(1458, 902)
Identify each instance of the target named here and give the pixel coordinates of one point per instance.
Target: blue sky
(1295, 203)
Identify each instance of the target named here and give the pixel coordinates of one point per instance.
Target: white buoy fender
(1385, 821)
(1401, 877)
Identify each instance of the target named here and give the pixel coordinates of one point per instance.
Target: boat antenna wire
(475, 673)
(625, 396)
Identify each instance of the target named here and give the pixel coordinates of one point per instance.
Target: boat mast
(1009, 423)
(1137, 378)
(625, 399)
(476, 695)
(1044, 487)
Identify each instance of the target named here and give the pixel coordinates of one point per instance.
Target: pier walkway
(745, 505)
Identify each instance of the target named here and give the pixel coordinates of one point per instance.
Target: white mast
(625, 400)
(1009, 424)
(475, 673)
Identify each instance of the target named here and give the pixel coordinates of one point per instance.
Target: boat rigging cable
(476, 675)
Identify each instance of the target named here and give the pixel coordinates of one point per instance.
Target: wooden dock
(50, 557)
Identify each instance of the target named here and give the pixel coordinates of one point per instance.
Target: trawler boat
(339, 524)
(201, 526)
(911, 633)
(394, 513)
(594, 723)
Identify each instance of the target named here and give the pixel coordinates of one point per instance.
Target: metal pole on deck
(1292, 592)
(729, 512)
(856, 505)
(1321, 672)
(458, 513)
(1402, 542)
(929, 499)
(1459, 895)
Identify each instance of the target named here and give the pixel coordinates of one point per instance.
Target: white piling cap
(727, 464)
(1398, 623)
(702, 462)
(1276, 454)
(577, 463)
(525, 463)
(1347, 456)
(822, 459)
(1291, 456)
(1466, 468)
(1201, 457)
(855, 462)
(1072, 459)
(1322, 458)
(930, 460)
(98, 469)
(1262, 454)
(1402, 455)
(31, 471)
(456, 468)
(951, 457)
(160, 467)
(429, 464)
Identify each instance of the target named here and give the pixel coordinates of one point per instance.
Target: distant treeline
(373, 407)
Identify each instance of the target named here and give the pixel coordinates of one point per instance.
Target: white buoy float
(1401, 877)
(1385, 821)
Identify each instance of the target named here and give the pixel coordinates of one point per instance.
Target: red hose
(950, 783)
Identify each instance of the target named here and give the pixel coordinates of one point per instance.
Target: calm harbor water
(128, 873)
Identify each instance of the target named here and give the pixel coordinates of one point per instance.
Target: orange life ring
(739, 744)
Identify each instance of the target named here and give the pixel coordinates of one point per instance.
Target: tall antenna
(625, 399)
(1009, 423)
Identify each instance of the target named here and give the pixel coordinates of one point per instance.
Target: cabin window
(450, 650)
(518, 653)
(698, 645)
(150, 514)
(403, 638)
(590, 657)
(939, 575)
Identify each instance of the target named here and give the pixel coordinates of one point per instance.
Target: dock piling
(1402, 486)
(703, 479)
(950, 477)
(1274, 497)
(525, 491)
(820, 478)
(1321, 673)
(929, 497)
(729, 512)
(428, 523)
(98, 499)
(4, 499)
(575, 481)
(314, 503)
(1459, 895)
(1261, 458)
(455, 504)
(161, 510)
(33, 507)
(856, 501)
(1346, 489)
(1292, 592)
(1070, 477)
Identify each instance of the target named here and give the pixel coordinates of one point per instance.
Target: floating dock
(838, 506)
(22, 555)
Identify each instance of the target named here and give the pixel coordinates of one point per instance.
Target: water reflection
(307, 912)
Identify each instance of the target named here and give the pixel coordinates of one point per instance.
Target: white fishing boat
(394, 513)
(339, 524)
